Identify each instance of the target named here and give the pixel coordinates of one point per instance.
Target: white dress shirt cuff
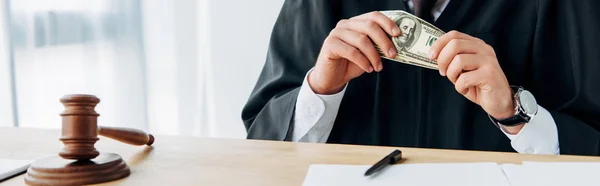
(315, 113)
(539, 136)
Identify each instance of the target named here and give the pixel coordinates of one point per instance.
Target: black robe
(549, 47)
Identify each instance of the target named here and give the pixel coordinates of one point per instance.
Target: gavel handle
(127, 135)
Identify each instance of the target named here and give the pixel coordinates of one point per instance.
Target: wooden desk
(175, 160)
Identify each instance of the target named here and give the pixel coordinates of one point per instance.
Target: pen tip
(369, 172)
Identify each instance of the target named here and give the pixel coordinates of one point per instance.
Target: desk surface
(177, 160)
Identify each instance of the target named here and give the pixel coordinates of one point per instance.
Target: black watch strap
(514, 120)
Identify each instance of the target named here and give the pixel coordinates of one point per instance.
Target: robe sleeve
(296, 39)
(566, 71)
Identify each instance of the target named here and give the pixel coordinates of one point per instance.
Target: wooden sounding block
(79, 163)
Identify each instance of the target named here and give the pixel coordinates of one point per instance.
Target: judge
(518, 76)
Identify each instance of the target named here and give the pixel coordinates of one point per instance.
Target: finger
(341, 49)
(462, 63)
(439, 44)
(383, 21)
(453, 48)
(469, 79)
(363, 43)
(374, 31)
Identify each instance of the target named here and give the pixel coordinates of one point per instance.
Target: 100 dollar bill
(417, 37)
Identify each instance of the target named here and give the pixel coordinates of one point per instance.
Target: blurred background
(170, 67)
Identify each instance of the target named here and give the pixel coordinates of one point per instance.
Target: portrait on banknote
(410, 29)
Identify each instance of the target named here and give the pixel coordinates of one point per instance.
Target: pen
(392, 158)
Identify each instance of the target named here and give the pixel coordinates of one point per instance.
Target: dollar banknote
(417, 37)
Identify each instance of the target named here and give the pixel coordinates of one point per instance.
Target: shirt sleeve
(315, 114)
(539, 136)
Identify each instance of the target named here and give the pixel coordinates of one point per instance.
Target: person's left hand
(472, 66)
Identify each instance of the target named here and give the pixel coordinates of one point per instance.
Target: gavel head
(79, 127)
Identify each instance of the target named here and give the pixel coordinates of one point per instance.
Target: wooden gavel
(80, 129)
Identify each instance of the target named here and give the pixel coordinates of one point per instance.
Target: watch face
(528, 102)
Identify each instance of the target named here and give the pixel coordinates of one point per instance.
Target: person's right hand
(348, 51)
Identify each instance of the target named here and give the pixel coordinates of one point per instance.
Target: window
(160, 66)
(6, 104)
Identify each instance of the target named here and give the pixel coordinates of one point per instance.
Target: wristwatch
(526, 108)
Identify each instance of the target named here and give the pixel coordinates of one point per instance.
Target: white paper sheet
(10, 167)
(514, 174)
(447, 174)
(559, 173)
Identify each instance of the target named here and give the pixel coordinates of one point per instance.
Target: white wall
(161, 65)
(175, 85)
(214, 50)
(239, 35)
